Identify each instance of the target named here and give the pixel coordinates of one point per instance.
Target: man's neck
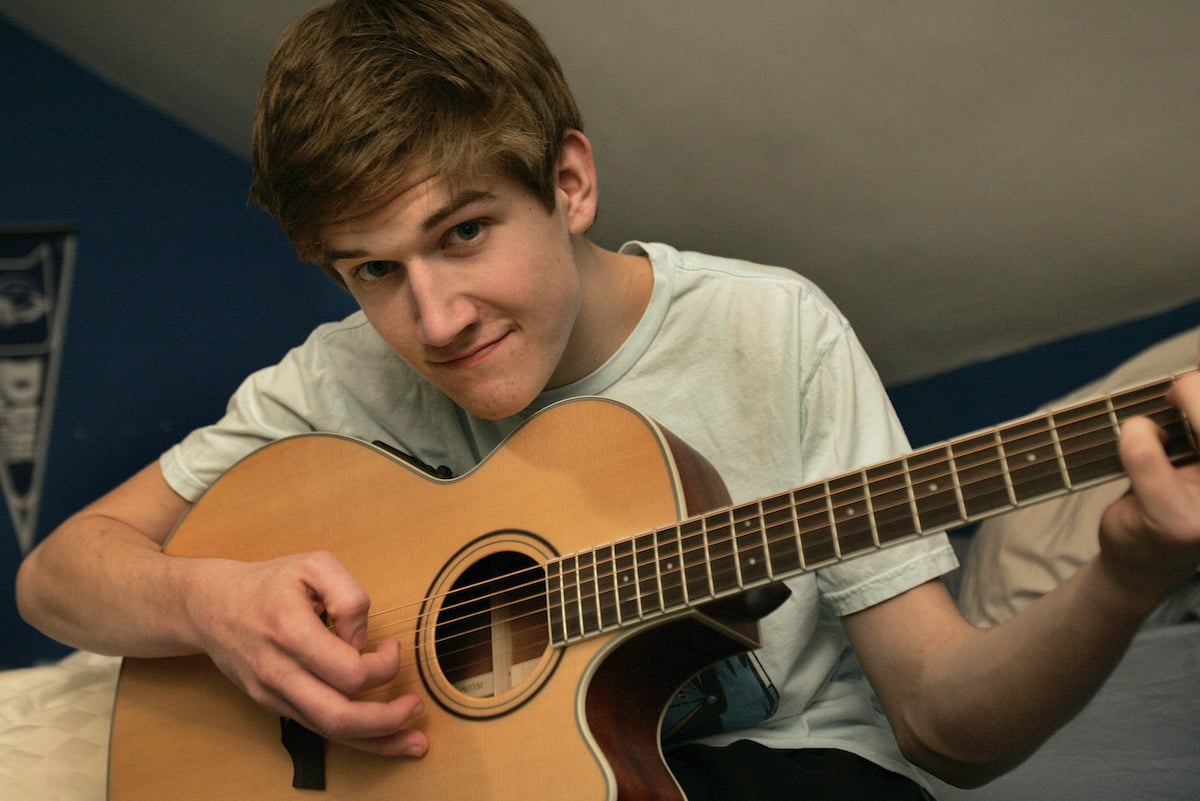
(616, 291)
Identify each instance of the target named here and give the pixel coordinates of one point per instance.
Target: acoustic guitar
(550, 602)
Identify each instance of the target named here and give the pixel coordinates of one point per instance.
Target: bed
(1138, 738)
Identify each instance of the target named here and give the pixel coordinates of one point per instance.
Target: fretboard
(739, 548)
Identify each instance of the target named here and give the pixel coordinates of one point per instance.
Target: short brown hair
(361, 93)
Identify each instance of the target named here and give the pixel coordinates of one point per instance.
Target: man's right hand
(264, 625)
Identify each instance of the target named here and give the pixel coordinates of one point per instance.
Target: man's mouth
(471, 357)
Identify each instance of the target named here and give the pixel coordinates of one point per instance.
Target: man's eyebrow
(456, 204)
(328, 257)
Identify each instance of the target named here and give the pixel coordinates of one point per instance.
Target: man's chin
(492, 407)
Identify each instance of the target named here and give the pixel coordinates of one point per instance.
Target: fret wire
(976, 458)
(697, 562)
(554, 572)
(811, 505)
(766, 542)
(933, 489)
(637, 581)
(739, 526)
(1034, 460)
(750, 541)
(833, 526)
(794, 504)
(599, 578)
(591, 591)
(570, 608)
(669, 556)
(912, 495)
(683, 567)
(1058, 452)
(735, 556)
(848, 493)
(784, 554)
(708, 559)
(723, 541)
(613, 602)
(1112, 415)
(582, 597)
(626, 580)
(648, 589)
(658, 579)
(579, 594)
(956, 480)
(887, 493)
(683, 581)
(870, 508)
(1004, 470)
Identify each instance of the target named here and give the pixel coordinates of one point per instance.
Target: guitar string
(820, 515)
(588, 598)
(859, 489)
(600, 576)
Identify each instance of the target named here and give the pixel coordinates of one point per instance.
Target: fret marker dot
(933, 487)
(1031, 457)
(849, 510)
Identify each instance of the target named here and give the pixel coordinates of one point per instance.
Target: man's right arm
(101, 582)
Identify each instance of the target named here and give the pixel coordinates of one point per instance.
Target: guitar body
(509, 716)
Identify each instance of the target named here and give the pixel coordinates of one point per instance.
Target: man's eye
(374, 270)
(466, 231)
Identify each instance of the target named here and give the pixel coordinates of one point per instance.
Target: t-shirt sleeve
(298, 395)
(259, 412)
(850, 423)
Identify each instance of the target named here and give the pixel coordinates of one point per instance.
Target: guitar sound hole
(491, 630)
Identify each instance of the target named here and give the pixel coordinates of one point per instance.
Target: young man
(428, 155)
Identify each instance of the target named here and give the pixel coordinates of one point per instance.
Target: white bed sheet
(54, 729)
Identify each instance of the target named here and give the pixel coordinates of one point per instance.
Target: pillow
(1018, 557)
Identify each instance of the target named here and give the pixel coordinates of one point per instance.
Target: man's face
(478, 291)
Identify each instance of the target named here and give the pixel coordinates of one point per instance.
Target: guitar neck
(732, 550)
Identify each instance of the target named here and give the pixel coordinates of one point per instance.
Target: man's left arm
(968, 704)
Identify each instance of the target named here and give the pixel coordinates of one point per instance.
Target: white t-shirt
(752, 366)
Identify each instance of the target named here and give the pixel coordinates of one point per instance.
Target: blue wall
(181, 285)
(993, 392)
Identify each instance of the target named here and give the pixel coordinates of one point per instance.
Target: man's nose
(443, 309)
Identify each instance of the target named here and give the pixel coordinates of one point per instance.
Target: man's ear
(575, 181)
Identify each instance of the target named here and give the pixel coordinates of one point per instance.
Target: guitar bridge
(307, 750)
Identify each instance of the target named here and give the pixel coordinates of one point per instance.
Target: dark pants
(747, 771)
